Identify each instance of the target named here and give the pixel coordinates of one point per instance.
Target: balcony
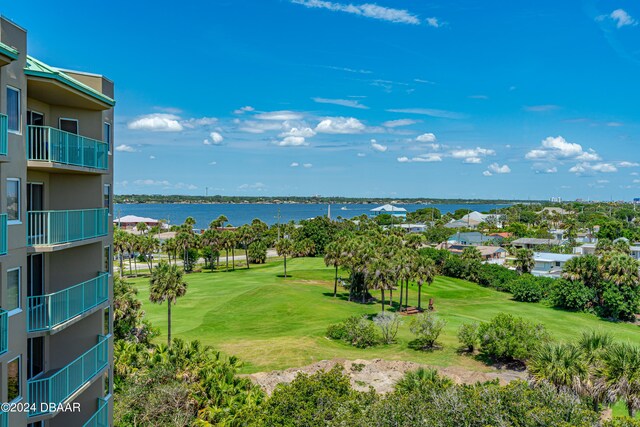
(101, 417)
(4, 331)
(46, 228)
(3, 234)
(52, 148)
(4, 419)
(4, 134)
(59, 385)
(47, 312)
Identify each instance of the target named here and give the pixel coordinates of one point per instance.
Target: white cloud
(166, 185)
(470, 153)
(636, 181)
(614, 124)
(343, 102)
(620, 17)
(158, 122)
(245, 109)
(216, 138)
(541, 108)
(292, 141)
(307, 165)
(294, 164)
(378, 147)
(429, 112)
(558, 148)
(279, 115)
(434, 22)
(340, 125)
(367, 10)
(496, 168)
(305, 132)
(252, 126)
(361, 155)
(602, 181)
(426, 137)
(586, 168)
(213, 163)
(152, 157)
(202, 121)
(424, 81)
(473, 160)
(349, 70)
(125, 148)
(487, 173)
(399, 122)
(478, 97)
(548, 170)
(256, 186)
(626, 164)
(423, 158)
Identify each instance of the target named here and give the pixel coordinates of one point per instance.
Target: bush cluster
(358, 331)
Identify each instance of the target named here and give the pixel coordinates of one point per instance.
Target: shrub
(468, 335)
(507, 337)
(528, 288)
(427, 327)
(619, 302)
(574, 295)
(356, 330)
(336, 331)
(257, 252)
(496, 276)
(388, 324)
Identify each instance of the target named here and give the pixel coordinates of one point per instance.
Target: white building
(548, 264)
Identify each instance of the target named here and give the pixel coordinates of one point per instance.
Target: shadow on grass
(420, 345)
(510, 364)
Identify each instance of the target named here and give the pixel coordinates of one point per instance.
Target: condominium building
(56, 179)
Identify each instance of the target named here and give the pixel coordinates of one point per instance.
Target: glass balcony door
(38, 145)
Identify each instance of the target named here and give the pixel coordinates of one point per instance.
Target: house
(475, 218)
(548, 264)
(458, 223)
(502, 234)
(492, 254)
(390, 210)
(130, 221)
(413, 228)
(474, 238)
(532, 243)
(635, 251)
(552, 210)
(586, 249)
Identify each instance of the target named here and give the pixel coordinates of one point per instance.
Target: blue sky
(393, 98)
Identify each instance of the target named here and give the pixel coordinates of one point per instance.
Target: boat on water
(344, 208)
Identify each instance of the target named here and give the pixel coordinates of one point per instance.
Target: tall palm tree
(245, 235)
(584, 269)
(120, 244)
(621, 370)
(167, 284)
(332, 257)
(148, 246)
(524, 260)
(284, 247)
(471, 254)
(423, 271)
(170, 247)
(228, 242)
(381, 275)
(185, 240)
(403, 261)
(211, 239)
(218, 222)
(132, 245)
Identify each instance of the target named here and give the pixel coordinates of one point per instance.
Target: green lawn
(273, 323)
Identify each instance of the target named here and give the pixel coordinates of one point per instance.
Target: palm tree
(211, 239)
(185, 240)
(120, 244)
(332, 255)
(170, 247)
(423, 271)
(422, 381)
(148, 245)
(562, 365)
(621, 371)
(142, 227)
(245, 236)
(131, 242)
(218, 222)
(583, 269)
(524, 261)
(284, 247)
(228, 241)
(620, 269)
(167, 284)
(403, 262)
(381, 275)
(471, 254)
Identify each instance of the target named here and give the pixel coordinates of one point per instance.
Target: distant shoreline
(178, 199)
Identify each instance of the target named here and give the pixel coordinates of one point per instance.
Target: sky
(442, 99)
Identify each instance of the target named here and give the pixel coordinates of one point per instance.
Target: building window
(107, 135)
(106, 197)
(107, 259)
(13, 200)
(13, 109)
(13, 290)
(107, 323)
(13, 379)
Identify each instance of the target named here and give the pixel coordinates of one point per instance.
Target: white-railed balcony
(50, 145)
(58, 385)
(46, 228)
(47, 312)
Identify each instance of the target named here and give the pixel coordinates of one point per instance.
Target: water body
(244, 213)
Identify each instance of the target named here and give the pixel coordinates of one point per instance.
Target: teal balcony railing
(4, 419)
(101, 417)
(4, 134)
(53, 145)
(56, 227)
(59, 386)
(3, 234)
(4, 331)
(48, 311)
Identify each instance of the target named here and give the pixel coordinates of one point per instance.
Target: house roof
(388, 208)
(133, 219)
(37, 68)
(551, 257)
(8, 51)
(535, 241)
(504, 235)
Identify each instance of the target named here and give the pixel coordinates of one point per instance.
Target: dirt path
(379, 374)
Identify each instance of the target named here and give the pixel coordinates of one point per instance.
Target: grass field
(271, 322)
